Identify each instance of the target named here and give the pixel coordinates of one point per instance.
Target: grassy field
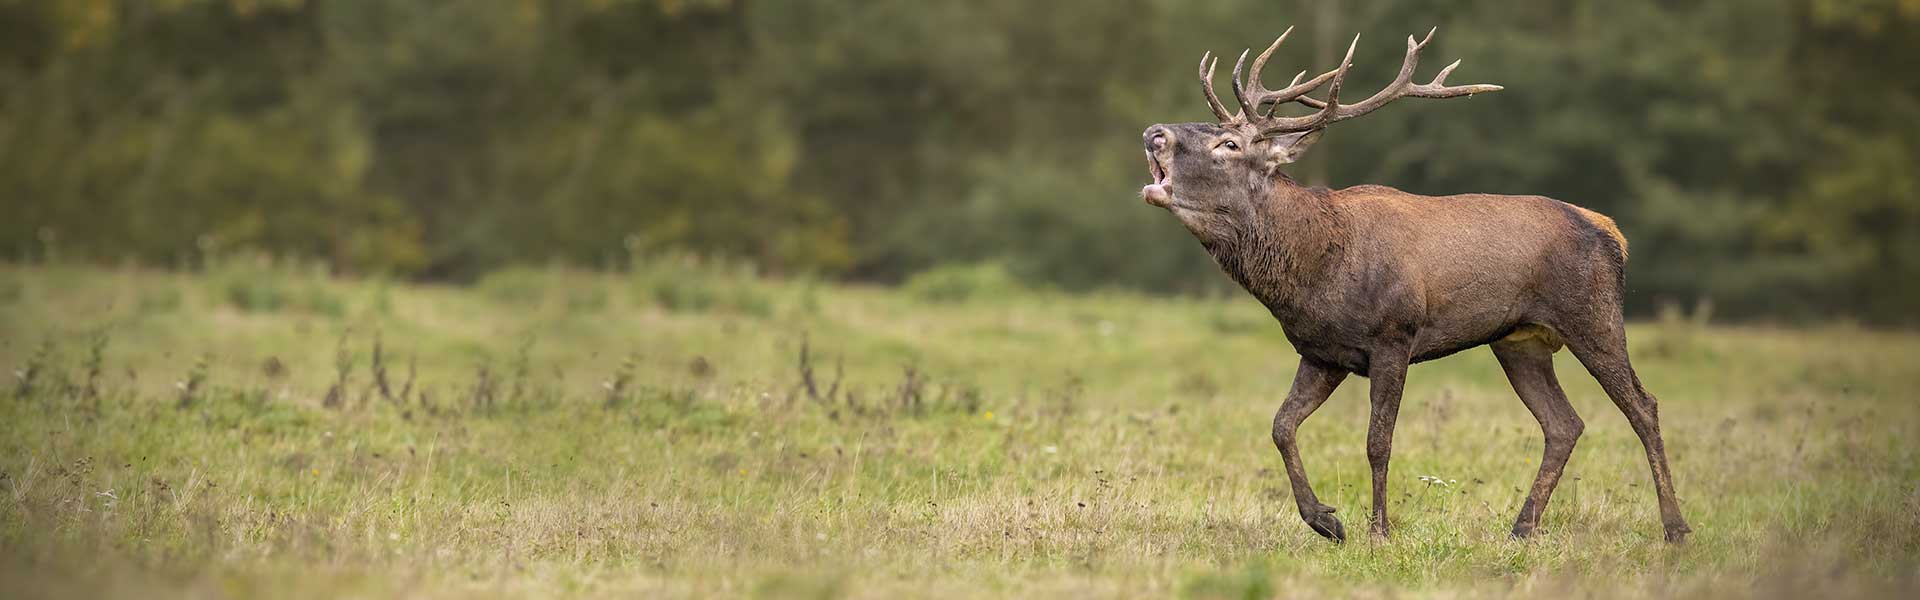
(653, 433)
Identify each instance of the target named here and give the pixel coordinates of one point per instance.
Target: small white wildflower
(395, 536)
(1050, 450)
(822, 536)
(327, 434)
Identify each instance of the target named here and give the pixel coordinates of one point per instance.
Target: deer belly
(1534, 333)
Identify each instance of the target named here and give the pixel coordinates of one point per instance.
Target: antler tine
(1303, 98)
(1258, 95)
(1445, 71)
(1439, 89)
(1240, 93)
(1403, 86)
(1260, 63)
(1206, 85)
(1340, 77)
(1328, 110)
(1296, 92)
(1332, 112)
(1393, 91)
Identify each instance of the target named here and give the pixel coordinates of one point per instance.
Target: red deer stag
(1369, 279)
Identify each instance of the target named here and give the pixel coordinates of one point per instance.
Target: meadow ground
(652, 433)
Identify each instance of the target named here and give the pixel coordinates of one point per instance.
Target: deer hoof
(1678, 535)
(1521, 532)
(1324, 523)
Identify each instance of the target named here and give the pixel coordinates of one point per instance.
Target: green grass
(581, 434)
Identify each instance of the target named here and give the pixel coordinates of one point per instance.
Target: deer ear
(1285, 149)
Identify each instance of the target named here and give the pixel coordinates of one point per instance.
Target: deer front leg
(1387, 375)
(1312, 384)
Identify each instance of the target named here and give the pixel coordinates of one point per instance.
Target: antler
(1206, 85)
(1251, 95)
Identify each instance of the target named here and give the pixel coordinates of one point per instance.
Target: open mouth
(1160, 192)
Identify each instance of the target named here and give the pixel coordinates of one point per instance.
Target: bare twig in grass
(1442, 414)
(617, 386)
(427, 404)
(36, 366)
(520, 368)
(406, 388)
(342, 369)
(190, 387)
(1067, 396)
(806, 371)
(970, 398)
(95, 362)
(1800, 439)
(839, 369)
(907, 397)
(810, 384)
(379, 369)
(853, 404)
(482, 396)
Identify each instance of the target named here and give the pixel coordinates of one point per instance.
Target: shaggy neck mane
(1288, 241)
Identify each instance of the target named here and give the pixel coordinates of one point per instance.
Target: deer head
(1204, 171)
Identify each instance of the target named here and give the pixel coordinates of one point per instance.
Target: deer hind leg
(1387, 377)
(1312, 384)
(1528, 362)
(1603, 350)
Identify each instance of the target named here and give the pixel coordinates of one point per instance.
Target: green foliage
(587, 299)
(1680, 335)
(961, 283)
(517, 286)
(11, 289)
(686, 283)
(257, 283)
(159, 299)
(1251, 583)
(853, 139)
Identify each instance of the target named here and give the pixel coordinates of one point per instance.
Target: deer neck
(1278, 248)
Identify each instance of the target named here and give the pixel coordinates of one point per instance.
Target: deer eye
(1231, 145)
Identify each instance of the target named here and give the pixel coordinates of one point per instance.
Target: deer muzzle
(1160, 192)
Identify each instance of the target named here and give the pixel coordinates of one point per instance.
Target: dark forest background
(1763, 156)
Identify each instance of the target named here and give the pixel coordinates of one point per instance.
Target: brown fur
(1605, 223)
(1369, 280)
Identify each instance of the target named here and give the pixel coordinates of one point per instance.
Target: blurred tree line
(1763, 155)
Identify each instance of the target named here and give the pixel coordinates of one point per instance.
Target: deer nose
(1157, 138)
